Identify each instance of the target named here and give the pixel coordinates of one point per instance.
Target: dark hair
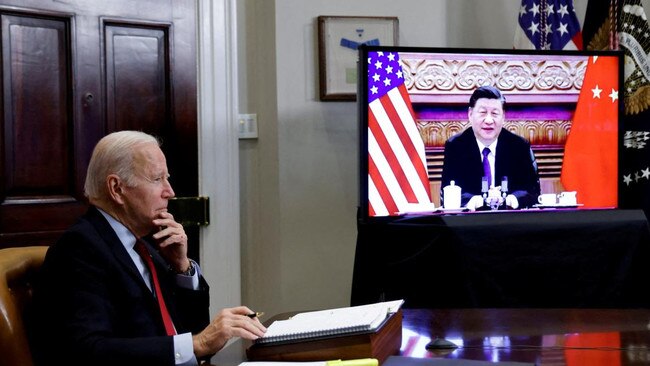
(487, 92)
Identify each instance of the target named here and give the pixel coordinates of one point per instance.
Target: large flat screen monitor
(549, 121)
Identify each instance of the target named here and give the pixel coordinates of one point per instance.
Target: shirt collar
(123, 233)
(492, 146)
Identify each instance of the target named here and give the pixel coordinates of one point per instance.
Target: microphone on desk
(504, 192)
(484, 193)
(441, 344)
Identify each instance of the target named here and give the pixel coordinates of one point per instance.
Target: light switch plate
(247, 126)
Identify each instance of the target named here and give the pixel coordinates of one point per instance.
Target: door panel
(136, 77)
(37, 165)
(71, 73)
(36, 99)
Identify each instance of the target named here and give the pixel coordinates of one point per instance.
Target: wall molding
(531, 78)
(219, 150)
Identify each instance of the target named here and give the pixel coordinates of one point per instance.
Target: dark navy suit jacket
(514, 159)
(94, 308)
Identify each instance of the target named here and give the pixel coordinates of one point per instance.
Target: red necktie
(146, 257)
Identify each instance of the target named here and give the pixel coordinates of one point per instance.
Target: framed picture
(338, 40)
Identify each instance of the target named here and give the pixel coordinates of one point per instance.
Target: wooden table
(573, 337)
(546, 337)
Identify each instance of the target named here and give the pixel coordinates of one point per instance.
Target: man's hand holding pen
(229, 323)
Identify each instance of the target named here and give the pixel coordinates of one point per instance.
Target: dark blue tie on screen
(487, 172)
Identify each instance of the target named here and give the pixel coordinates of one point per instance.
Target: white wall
(299, 179)
(318, 145)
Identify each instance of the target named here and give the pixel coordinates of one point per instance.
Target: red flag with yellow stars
(590, 164)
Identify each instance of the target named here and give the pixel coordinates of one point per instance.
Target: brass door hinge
(190, 211)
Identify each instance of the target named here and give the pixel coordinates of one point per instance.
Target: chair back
(18, 267)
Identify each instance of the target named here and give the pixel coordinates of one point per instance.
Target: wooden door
(74, 71)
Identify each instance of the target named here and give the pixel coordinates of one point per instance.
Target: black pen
(256, 314)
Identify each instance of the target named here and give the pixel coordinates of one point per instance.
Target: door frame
(219, 150)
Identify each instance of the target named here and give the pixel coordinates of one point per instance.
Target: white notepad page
(331, 322)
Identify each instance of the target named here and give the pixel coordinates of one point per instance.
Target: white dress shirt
(491, 157)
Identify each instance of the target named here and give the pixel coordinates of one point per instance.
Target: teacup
(567, 198)
(547, 199)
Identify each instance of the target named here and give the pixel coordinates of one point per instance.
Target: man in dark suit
(486, 154)
(100, 300)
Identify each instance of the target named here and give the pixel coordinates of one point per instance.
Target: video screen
(459, 130)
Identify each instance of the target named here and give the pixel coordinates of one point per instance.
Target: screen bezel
(362, 105)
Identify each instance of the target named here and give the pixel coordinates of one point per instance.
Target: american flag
(548, 25)
(397, 174)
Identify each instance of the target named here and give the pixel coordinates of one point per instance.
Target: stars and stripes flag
(397, 174)
(590, 165)
(548, 25)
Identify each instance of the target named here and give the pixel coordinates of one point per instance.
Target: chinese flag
(590, 164)
(580, 349)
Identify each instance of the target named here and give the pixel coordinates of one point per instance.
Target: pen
(256, 314)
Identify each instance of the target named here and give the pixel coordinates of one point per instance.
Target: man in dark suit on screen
(483, 157)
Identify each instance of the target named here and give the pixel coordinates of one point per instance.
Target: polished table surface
(573, 337)
(545, 337)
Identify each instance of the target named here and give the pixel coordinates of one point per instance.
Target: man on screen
(486, 155)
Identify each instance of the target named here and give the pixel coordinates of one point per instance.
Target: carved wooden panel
(39, 187)
(137, 68)
(37, 122)
(146, 91)
(73, 71)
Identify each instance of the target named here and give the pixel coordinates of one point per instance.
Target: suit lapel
(115, 246)
(122, 256)
(474, 154)
(502, 156)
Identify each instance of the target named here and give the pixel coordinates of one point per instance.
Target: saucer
(452, 210)
(558, 206)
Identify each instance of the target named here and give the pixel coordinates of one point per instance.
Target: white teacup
(567, 198)
(547, 199)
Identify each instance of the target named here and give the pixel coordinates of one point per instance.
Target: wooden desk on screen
(551, 259)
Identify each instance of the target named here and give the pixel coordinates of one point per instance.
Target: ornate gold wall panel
(533, 80)
(537, 132)
(455, 77)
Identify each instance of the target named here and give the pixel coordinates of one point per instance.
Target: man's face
(144, 202)
(487, 119)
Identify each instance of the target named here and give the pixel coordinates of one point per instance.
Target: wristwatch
(190, 270)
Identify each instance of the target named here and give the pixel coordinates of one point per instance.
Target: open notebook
(324, 323)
